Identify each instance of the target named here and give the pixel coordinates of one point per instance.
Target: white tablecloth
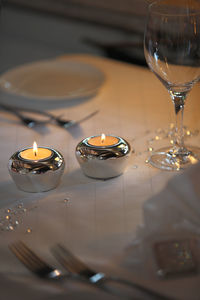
(101, 217)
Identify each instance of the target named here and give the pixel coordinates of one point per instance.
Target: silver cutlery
(40, 268)
(32, 122)
(69, 123)
(77, 270)
(59, 120)
(28, 121)
(37, 265)
(74, 265)
(33, 262)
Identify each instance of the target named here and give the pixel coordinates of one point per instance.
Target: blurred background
(111, 28)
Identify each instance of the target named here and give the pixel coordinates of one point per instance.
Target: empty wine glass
(172, 51)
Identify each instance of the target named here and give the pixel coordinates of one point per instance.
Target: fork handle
(17, 110)
(11, 110)
(146, 290)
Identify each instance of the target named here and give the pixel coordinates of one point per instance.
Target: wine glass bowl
(172, 52)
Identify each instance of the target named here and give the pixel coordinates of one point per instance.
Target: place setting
(59, 78)
(110, 211)
(37, 88)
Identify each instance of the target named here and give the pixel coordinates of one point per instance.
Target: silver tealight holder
(37, 170)
(103, 156)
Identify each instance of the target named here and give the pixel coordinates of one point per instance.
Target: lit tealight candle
(36, 169)
(36, 153)
(103, 156)
(103, 140)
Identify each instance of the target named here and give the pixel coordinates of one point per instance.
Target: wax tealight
(103, 140)
(36, 169)
(103, 156)
(30, 154)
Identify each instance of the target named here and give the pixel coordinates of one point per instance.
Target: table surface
(101, 217)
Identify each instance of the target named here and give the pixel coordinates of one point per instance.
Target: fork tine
(29, 253)
(68, 260)
(26, 256)
(22, 258)
(75, 265)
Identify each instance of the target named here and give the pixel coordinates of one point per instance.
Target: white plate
(53, 79)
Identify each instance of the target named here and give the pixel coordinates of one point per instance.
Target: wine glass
(172, 52)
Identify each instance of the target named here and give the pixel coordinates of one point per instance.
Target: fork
(29, 122)
(33, 262)
(58, 120)
(39, 267)
(32, 122)
(43, 270)
(74, 265)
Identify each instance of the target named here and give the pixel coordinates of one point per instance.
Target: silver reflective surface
(103, 162)
(36, 176)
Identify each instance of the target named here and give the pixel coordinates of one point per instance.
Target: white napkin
(178, 203)
(172, 214)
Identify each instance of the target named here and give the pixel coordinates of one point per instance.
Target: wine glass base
(170, 160)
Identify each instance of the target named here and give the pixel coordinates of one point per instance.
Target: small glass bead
(28, 230)
(134, 166)
(10, 227)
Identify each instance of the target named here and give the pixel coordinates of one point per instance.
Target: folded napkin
(178, 203)
(171, 215)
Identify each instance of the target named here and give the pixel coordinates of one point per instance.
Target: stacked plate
(53, 79)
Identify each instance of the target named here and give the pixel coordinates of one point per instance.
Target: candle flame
(103, 137)
(35, 148)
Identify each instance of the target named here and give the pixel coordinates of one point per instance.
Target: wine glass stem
(179, 102)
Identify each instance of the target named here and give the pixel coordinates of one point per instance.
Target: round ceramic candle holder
(103, 162)
(36, 175)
